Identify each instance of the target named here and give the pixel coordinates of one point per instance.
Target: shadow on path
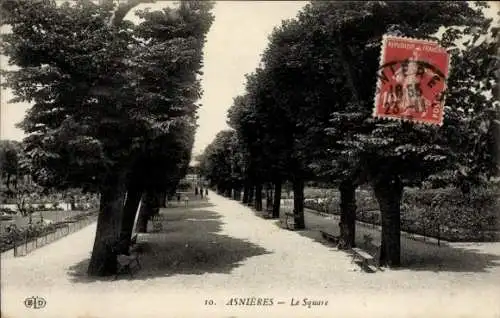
(187, 244)
(415, 255)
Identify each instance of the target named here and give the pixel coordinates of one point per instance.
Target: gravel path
(219, 249)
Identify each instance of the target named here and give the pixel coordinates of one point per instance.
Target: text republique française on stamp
(257, 301)
(411, 80)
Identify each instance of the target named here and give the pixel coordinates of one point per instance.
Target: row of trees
(16, 186)
(13, 164)
(306, 112)
(114, 103)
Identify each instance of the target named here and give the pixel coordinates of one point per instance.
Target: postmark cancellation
(411, 80)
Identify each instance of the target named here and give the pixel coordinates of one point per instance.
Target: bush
(329, 200)
(449, 214)
(365, 201)
(91, 213)
(10, 237)
(7, 210)
(77, 217)
(41, 207)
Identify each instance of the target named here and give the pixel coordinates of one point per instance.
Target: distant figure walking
(206, 193)
(196, 191)
(186, 200)
(178, 199)
(201, 193)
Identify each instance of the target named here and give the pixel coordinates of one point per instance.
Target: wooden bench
(286, 223)
(128, 263)
(366, 260)
(267, 214)
(330, 237)
(157, 223)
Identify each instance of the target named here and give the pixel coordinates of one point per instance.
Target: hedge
(444, 213)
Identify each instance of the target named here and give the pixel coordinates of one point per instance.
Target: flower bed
(14, 235)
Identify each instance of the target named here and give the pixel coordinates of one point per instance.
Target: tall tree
(390, 155)
(65, 61)
(169, 62)
(216, 161)
(92, 114)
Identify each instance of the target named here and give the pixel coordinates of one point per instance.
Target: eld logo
(35, 302)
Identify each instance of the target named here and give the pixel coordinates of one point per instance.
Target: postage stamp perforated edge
(385, 38)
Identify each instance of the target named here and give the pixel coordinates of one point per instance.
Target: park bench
(267, 213)
(285, 222)
(366, 260)
(128, 262)
(157, 223)
(330, 237)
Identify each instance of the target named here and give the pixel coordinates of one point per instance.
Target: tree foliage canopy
(103, 92)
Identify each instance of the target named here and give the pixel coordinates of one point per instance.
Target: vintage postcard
(225, 159)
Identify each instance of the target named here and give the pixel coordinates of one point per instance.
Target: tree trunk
(142, 218)
(129, 212)
(163, 198)
(277, 200)
(246, 192)
(258, 197)
(146, 211)
(389, 191)
(72, 206)
(234, 193)
(251, 192)
(158, 198)
(269, 198)
(237, 193)
(103, 259)
(298, 203)
(347, 215)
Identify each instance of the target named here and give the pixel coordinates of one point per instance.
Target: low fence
(418, 225)
(27, 245)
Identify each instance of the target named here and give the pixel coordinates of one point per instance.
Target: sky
(234, 44)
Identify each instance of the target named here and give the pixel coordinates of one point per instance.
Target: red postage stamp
(411, 80)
